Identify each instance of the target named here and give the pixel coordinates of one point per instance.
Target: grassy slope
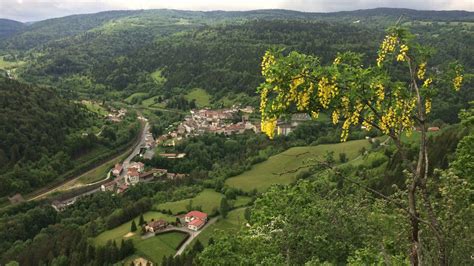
(234, 220)
(208, 199)
(119, 232)
(201, 96)
(155, 248)
(136, 94)
(273, 171)
(95, 107)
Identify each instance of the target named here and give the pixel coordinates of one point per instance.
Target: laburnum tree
(393, 96)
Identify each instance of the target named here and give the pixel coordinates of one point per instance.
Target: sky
(34, 10)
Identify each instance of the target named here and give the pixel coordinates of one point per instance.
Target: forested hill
(114, 54)
(9, 27)
(49, 30)
(34, 123)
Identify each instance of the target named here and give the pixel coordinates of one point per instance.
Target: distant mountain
(28, 36)
(9, 27)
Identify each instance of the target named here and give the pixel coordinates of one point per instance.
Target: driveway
(194, 234)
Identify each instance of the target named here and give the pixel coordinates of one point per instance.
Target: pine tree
(133, 227)
(142, 221)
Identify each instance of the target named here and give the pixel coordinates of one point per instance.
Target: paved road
(194, 235)
(135, 151)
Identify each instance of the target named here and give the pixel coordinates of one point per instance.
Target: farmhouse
(155, 226)
(196, 224)
(133, 176)
(139, 166)
(117, 170)
(196, 220)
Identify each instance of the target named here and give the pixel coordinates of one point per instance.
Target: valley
(267, 137)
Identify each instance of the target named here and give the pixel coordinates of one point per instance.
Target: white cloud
(30, 10)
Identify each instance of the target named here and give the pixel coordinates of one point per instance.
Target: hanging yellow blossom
(267, 61)
(427, 82)
(337, 61)
(335, 117)
(268, 127)
(388, 46)
(421, 71)
(403, 53)
(326, 91)
(428, 106)
(457, 81)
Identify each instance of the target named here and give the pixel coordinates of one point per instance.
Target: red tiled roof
(196, 222)
(133, 171)
(118, 167)
(197, 214)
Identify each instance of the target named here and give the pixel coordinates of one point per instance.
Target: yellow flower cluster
(337, 61)
(268, 127)
(335, 117)
(388, 46)
(326, 91)
(267, 61)
(388, 121)
(427, 82)
(457, 81)
(428, 105)
(367, 122)
(345, 130)
(403, 53)
(263, 99)
(421, 71)
(314, 114)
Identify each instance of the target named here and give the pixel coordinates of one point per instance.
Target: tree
(141, 220)
(224, 208)
(198, 247)
(375, 97)
(133, 227)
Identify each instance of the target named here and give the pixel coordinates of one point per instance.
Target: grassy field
(100, 172)
(201, 96)
(155, 248)
(9, 65)
(275, 169)
(240, 201)
(208, 199)
(136, 94)
(158, 77)
(234, 220)
(119, 232)
(95, 107)
(151, 102)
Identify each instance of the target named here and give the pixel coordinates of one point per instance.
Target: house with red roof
(196, 220)
(133, 176)
(117, 170)
(155, 226)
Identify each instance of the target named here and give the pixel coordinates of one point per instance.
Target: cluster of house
(134, 174)
(116, 115)
(193, 220)
(207, 120)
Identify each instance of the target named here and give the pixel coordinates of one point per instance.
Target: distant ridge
(9, 27)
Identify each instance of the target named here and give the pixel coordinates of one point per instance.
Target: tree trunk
(414, 237)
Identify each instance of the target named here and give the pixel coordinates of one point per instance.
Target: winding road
(134, 151)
